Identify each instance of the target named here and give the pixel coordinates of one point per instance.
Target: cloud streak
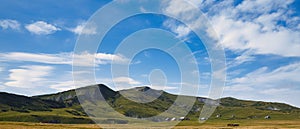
(63, 85)
(28, 76)
(126, 80)
(255, 26)
(63, 58)
(251, 26)
(263, 83)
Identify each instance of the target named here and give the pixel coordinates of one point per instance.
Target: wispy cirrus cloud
(42, 28)
(46, 74)
(9, 24)
(241, 59)
(264, 77)
(38, 79)
(28, 76)
(126, 80)
(257, 25)
(118, 83)
(248, 26)
(63, 58)
(277, 84)
(63, 85)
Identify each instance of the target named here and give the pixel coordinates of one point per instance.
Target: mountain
(25, 104)
(69, 98)
(64, 107)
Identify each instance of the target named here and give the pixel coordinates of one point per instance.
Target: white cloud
(251, 25)
(181, 30)
(188, 85)
(280, 84)
(275, 91)
(241, 59)
(119, 83)
(242, 35)
(259, 6)
(8, 23)
(28, 76)
(126, 80)
(63, 86)
(244, 58)
(63, 58)
(42, 28)
(117, 58)
(157, 87)
(37, 76)
(264, 77)
(38, 79)
(179, 8)
(239, 88)
(85, 29)
(184, 11)
(85, 59)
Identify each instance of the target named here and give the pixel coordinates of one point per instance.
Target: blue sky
(261, 39)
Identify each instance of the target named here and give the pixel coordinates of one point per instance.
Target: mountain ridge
(64, 107)
(147, 87)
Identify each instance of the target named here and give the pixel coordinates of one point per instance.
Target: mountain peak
(143, 88)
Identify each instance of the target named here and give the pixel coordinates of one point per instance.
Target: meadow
(243, 124)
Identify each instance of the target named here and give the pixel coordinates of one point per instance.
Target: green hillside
(25, 104)
(64, 107)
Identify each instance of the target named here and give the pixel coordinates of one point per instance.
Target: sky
(261, 40)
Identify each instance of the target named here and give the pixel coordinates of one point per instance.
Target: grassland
(244, 124)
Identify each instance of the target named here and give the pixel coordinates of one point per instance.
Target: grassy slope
(25, 104)
(55, 116)
(64, 108)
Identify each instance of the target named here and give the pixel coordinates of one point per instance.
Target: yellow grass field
(272, 124)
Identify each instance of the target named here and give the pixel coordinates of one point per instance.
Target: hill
(25, 104)
(64, 107)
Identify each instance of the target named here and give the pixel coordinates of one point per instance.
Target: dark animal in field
(233, 125)
(267, 117)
